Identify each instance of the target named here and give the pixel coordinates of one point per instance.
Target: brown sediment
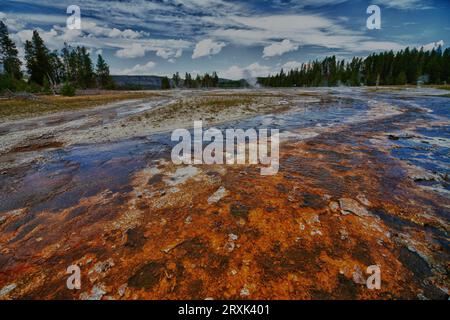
(37, 146)
(285, 236)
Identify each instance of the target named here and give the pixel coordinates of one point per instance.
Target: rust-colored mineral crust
(148, 229)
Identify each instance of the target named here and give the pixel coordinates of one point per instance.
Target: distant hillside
(226, 83)
(138, 82)
(154, 82)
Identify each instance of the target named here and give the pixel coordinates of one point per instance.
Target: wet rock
(392, 137)
(435, 293)
(400, 136)
(157, 178)
(122, 289)
(171, 247)
(346, 287)
(102, 267)
(343, 234)
(311, 200)
(415, 263)
(181, 175)
(423, 177)
(76, 212)
(352, 206)
(362, 198)
(239, 210)
(358, 277)
(421, 297)
(232, 237)
(334, 206)
(135, 238)
(244, 292)
(218, 195)
(96, 293)
(281, 188)
(147, 276)
(230, 244)
(7, 289)
(314, 219)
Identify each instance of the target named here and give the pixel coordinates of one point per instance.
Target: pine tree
(187, 80)
(176, 79)
(9, 54)
(215, 79)
(197, 81)
(446, 66)
(87, 69)
(385, 68)
(165, 83)
(37, 58)
(102, 70)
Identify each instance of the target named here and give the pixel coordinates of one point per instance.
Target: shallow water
(112, 163)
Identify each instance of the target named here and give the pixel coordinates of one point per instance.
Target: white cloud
(280, 48)
(433, 45)
(376, 46)
(404, 4)
(218, 21)
(253, 70)
(169, 54)
(207, 47)
(166, 49)
(13, 24)
(290, 65)
(135, 50)
(304, 3)
(49, 37)
(127, 33)
(307, 29)
(138, 69)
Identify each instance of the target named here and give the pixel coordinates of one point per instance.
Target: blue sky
(236, 38)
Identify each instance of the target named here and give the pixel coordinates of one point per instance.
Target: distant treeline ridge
(386, 68)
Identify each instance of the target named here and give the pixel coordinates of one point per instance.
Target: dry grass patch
(17, 107)
(211, 105)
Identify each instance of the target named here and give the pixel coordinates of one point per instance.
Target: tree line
(50, 71)
(409, 66)
(200, 81)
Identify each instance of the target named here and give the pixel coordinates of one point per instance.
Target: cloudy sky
(236, 38)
